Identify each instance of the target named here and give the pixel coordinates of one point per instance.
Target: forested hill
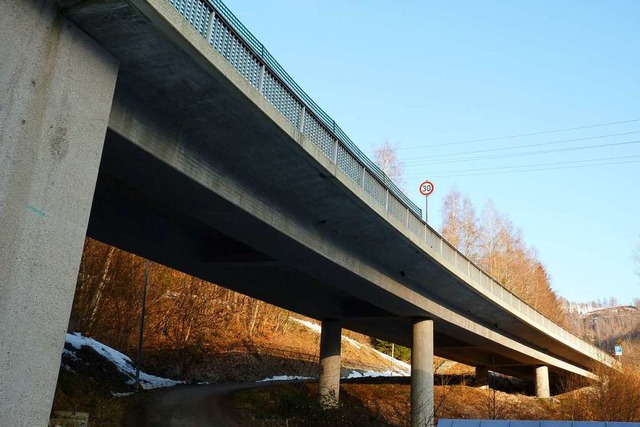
(609, 326)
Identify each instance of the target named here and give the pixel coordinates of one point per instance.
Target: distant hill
(606, 327)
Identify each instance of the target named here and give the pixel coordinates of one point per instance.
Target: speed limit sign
(426, 188)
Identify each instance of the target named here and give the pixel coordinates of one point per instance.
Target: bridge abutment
(56, 88)
(422, 374)
(330, 348)
(542, 381)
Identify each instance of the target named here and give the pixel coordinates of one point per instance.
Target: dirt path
(192, 406)
(196, 405)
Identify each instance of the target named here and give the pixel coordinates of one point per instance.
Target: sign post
(426, 188)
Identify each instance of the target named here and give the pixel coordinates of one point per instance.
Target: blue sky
(431, 76)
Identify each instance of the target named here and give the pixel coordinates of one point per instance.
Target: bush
(399, 352)
(614, 397)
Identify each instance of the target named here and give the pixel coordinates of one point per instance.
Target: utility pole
(142, 314)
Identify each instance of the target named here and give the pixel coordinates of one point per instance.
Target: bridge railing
(226, 34)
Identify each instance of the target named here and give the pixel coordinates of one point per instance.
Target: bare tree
(386, 157)
(460, 224)
(636, 258)
(493, 242)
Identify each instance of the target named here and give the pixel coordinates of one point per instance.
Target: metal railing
(222, 30)
(225, 33)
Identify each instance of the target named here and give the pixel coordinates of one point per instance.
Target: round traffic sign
(426, 188)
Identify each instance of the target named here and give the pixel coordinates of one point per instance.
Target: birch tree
(386, 157)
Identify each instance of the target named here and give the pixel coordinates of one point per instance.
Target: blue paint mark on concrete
(35, 210)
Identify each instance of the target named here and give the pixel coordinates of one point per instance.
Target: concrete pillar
(482, 376)
(422, 374)
(330, 347)
(542, 381)
(56, 88)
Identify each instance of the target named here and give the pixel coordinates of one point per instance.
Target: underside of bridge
(147, 207)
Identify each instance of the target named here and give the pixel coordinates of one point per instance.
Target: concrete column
(56, 87)
(542, 381)
(482, 376)
(330, 346)
(422, 374)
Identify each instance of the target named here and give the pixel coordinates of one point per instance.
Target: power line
(537, 170)
(499, 168)
(418, 159)
(529, 153)
(519, 135)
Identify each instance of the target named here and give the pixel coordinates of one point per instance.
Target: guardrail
(226, 34)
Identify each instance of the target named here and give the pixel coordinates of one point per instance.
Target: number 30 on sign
(426, 188)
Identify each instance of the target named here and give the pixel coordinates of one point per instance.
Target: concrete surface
(542, 381)
(51, 136)
(330, 348)
(422, 410)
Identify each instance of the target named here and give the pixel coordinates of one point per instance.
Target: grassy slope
(380, 404)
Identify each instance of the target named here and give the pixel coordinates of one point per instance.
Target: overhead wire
(518, 135)
(536, 170)
(523, 154)
(462, 153)
(480, 155)
(526, 167)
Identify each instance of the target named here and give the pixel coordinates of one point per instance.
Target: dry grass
(615, 398)
(382, 404)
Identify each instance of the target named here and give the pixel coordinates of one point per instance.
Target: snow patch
(125, 394)
(369, 374)
(398, 367)
(314, 327)
(122, 362)
(353, 342)
(284, 378)
(69, 355)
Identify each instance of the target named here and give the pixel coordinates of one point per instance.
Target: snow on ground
(370, 374)
(125, 394)
(121, 361)
(353, 342)
(398, 367)
(284, 378)
(313, 326)
(352, 374)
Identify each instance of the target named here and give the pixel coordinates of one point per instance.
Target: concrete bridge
(165, 128)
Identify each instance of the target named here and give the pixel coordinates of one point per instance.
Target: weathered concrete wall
(56, 87)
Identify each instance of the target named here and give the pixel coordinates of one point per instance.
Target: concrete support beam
(482, 376)
(56, 88)
(422, 374)
(330, 347)
(542, 381)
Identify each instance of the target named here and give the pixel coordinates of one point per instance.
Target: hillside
(607, 327)
(197, 332)
(97, 379)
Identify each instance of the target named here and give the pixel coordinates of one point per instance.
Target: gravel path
(194, 405)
